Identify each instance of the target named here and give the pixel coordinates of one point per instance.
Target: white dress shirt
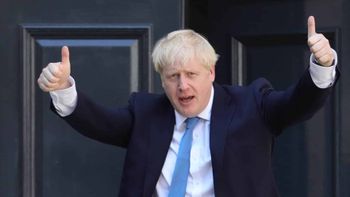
(200, 180)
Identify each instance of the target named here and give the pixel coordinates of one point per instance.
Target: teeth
(186, 98)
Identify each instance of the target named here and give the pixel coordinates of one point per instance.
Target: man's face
(188, 86)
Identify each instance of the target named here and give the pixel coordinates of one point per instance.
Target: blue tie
(182, 167)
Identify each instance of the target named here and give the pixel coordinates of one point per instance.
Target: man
(228, 152)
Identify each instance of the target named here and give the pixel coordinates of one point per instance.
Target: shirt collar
(205, 114)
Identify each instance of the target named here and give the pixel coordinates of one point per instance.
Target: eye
(173, 76)
(191, 74)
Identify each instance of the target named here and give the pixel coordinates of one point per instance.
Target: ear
(161, 78)
(212, 73)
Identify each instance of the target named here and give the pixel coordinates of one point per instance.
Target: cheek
(169, 90)
(205, 84)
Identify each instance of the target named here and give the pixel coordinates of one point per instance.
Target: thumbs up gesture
(55, 75)
(319, 45)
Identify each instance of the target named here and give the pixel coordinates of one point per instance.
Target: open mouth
(186, 99)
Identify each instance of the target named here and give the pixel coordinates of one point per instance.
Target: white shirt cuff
(323, 77)
(65, 100)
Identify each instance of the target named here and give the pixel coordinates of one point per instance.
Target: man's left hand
(319, 45)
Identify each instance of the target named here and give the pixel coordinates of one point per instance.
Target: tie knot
(191, 122)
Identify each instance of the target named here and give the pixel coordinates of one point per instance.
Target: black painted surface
(67, 164)
(312, 158)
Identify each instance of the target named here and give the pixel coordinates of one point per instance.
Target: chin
(189, 114)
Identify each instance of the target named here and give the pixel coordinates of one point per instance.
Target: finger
(46, 82)
(54, 69)
(42, 85)
(48, 75)
(326, 60)
(320, 46)
(315, 39)
(322, 52)
(65, 55)
(311, 26)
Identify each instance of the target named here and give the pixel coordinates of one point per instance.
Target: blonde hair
(178, 47)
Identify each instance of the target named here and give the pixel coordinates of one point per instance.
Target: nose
(183, 83)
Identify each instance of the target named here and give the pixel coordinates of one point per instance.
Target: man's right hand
(55, 75)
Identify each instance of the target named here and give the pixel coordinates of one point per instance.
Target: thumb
(311, 26)
(65, 55)
(65, 63)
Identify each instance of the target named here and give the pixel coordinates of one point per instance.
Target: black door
(268, 39)
(110, 41)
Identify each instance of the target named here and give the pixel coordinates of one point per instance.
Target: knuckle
(309, 42)
(53, 68)
(324, 59)
(45, 71)
(313, 48)
(43, 88)
(50, 85)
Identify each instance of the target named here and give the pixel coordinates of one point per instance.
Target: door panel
(110, 63)
(110, 43)
(297, 161)
(268, 39)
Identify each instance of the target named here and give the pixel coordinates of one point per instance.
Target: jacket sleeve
(299, 102)
(107, 125)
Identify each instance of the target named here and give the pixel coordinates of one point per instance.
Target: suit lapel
(161, 133)
(221, 115)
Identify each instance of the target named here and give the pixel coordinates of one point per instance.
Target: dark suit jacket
(244, 124)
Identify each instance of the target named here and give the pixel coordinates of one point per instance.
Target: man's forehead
(189, 65)
(175, 68)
